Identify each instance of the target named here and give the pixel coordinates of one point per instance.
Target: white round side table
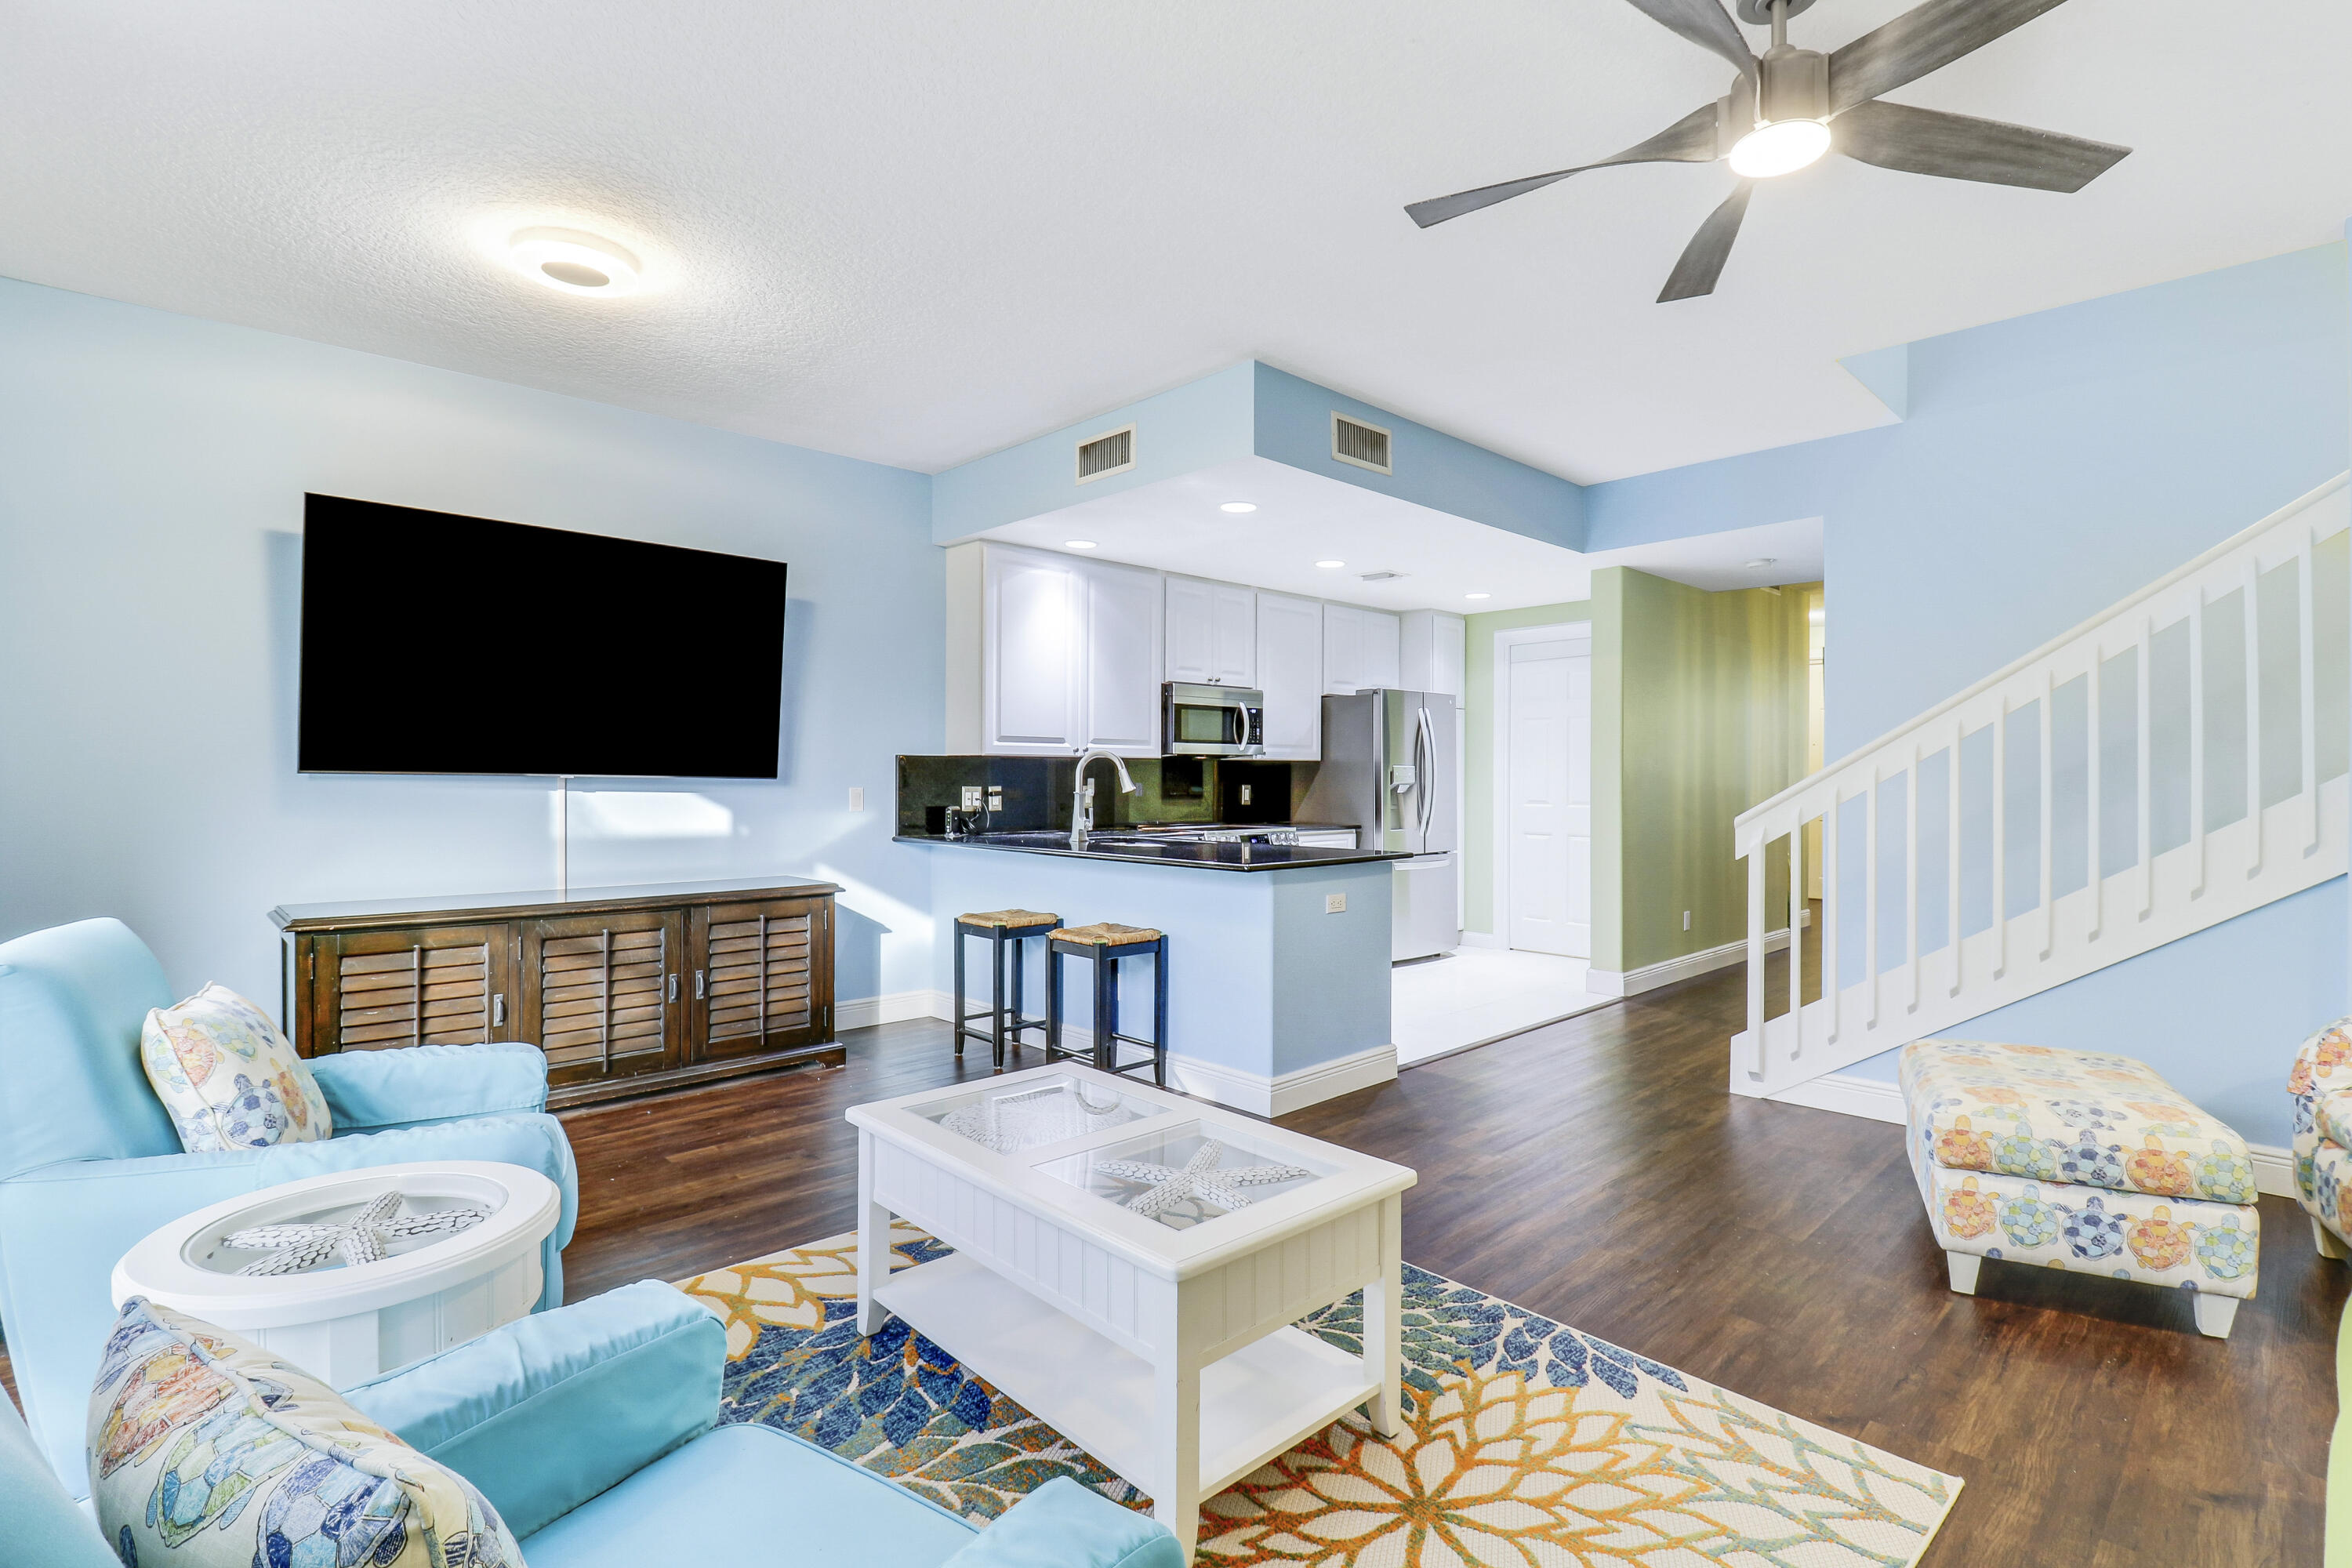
(429, 1284)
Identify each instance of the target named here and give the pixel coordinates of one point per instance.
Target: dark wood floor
(1595, 1170)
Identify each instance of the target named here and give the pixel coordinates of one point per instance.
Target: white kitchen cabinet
(1434, 649)
(1362, 649)
(1033, 665)
(1290, 673)
(1121, 633)
(1211, 632)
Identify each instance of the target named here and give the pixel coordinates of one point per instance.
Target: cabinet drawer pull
(698, 985)
(673, 987)
(497, 1009)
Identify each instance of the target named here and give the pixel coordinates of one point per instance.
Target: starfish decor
(359, 1239)
(1202, 1177)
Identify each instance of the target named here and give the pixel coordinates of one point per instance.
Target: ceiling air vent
(1365, 445)
(1378, 576)
(1112, 452)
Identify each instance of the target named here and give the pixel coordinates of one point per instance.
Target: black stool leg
(1020, 949)
(958, 928)
(1053, 1002)
(1106, 1011)
(996, 1002)
(1160, 1014)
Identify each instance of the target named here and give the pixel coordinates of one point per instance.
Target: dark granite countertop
(1207, 856)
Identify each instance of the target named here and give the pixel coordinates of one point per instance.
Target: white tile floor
(1480, 995)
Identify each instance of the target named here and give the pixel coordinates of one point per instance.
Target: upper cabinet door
(1233, 613)
(1192, 629)
(1122, 633)
(1032, 652)
(1384, 634)
(1290, 673)
(1343, 649)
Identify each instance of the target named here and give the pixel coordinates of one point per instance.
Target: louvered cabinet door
(602, 994)
(762, 976)
(426, 986)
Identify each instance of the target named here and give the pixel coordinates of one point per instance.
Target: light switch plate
(1246, 794)
(971, 797)
(1335, 903)
(857, 797)
(995, 798)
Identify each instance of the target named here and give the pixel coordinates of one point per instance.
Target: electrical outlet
(971, 797)
(995, 798)
(857, 797)
(1246, 794)
(1686, 919)
(1335, 903)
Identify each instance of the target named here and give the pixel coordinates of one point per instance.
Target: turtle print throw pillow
(228, 1078)
(207, 1452)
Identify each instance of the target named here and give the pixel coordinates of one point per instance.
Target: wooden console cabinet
(628, 990)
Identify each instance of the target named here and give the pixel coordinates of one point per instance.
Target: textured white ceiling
(919, 233)
(1176, 525)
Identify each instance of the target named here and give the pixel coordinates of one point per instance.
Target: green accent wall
(1699, 712)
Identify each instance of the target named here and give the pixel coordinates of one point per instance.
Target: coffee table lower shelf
(1259, 1402)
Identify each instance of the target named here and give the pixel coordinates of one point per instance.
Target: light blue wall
(2048, 466)
(1252, 409)
(151, 473)
(1193, 426)
(1432, 468)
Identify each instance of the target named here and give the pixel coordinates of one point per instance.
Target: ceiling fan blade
(1705, 23)
(1710, 248)
(1960, 147)
(1690, 140)
(1925, 38)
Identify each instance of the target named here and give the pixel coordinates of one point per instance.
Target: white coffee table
(342, 1323)
(1160, 1343)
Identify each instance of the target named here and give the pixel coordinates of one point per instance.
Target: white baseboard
(1485, 939)
(1689, 966)
(1879, 1102)
(864, 1012)
(1245, 1090)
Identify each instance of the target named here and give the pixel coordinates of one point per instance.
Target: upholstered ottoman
(2321, 1084)
(2081, 1160)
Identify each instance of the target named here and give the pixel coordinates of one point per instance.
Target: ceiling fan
(1788, 109)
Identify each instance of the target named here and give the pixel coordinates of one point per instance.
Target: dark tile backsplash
(1167, 789)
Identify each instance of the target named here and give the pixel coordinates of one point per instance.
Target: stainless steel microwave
(1200, 720)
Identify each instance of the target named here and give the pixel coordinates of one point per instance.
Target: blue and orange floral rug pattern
(1526, 1443)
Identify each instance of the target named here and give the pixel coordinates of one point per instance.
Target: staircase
(2133, 811)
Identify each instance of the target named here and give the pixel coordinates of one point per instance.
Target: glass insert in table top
(335, 1234)
(1008, 1121)
(1186, 1175)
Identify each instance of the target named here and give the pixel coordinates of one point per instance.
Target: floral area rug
(1526, 1443)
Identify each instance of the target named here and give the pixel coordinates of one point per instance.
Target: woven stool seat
(1007, 918)
(1105, 934)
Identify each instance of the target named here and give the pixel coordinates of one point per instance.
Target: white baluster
(2001, 839)
(2197, 743)
(1756, 952)
(1870, 894)
(2096, 867)
(2310, 697)
(2253, 711)
(1911, 871)
(2141, 681)
(2049, 921)
(1832, 980)
(1952, 852)
(1797, 934)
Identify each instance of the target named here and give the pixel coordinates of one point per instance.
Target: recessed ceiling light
(1331, 565)
(1478, 596)
(573, 262)
(1761, 562)
(1239, 506)
(1077, 544)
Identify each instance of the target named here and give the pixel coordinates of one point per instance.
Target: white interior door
(1547, 772)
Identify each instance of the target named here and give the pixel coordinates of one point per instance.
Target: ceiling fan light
(1782, 147)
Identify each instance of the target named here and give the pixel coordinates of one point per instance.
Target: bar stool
(1001, 929)
(1106, 945)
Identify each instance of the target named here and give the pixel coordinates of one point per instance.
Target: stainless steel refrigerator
(1390, 766)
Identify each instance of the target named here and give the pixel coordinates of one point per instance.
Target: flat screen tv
(437, 644)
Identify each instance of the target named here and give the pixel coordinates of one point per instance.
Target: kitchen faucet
(1082, 794)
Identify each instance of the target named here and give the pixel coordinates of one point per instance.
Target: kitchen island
(1277, 954)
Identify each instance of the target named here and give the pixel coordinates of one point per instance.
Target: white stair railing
(2198, 772)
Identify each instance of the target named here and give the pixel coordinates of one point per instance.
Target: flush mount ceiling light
(1782, 147)
(1763, 563)
(1239, 506)
(1077, 544)
(1331, 565)
(1478, 596)
(573, 262)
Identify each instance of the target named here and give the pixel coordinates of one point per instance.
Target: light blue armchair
(90, 1164)
(590, 1430)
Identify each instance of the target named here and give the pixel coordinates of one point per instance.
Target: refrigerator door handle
(1424, 757)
